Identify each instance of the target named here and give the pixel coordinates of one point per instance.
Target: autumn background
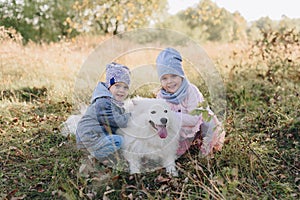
(43, 45)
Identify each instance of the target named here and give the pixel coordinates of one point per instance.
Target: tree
(207, 21)
(114, 16)
(239, 27)
(265, 24)
(12, 17)
(43, 20)
(260, 26)
(288, 24)
(222, 25)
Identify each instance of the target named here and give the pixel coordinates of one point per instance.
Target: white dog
(152, 133)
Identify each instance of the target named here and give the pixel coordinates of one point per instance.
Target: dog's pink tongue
(162, 131)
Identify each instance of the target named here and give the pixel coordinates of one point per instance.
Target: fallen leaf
(161, 179)
(18, 198)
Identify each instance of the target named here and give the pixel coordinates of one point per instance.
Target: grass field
(260, 158)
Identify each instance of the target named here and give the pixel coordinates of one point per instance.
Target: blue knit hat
(169, 62)
(117, 73)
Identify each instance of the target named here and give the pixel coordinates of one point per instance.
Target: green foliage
(51, 21)
(115, 16)
(201, 110)
(265, 24)
(144, 36)
(208, 22)
(38, 21)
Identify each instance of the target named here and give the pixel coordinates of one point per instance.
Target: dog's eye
(153, 112)
(165, 111)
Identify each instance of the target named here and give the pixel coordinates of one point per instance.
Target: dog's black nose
(164, 120)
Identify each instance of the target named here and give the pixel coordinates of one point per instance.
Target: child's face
(171, 82)
(119, 91)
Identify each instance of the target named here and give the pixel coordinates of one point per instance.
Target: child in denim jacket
(96, 130)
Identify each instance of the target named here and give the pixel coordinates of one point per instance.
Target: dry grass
(54, 66)
(260, 159)
(57, 65)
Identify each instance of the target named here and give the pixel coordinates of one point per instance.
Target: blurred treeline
(54, 20)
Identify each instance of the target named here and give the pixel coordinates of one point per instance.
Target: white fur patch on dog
(70, 125)
(152, 134)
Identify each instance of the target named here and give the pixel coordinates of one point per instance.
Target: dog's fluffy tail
(70, 125)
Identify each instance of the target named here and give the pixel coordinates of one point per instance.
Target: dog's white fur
(141, 139)
(70, 125)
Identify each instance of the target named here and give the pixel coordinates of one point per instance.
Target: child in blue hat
(183, 97)
(96, 131)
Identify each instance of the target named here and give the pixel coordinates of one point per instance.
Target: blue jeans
(106, 145)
